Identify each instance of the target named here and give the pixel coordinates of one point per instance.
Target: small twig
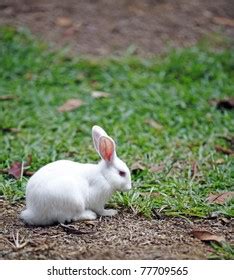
(17, 242)
(194, 169)
(72, 229)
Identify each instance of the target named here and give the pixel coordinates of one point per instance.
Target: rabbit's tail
(28, 216)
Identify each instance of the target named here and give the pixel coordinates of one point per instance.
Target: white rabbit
(65, 191)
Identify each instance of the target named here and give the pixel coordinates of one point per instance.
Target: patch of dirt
(126, 236)
(102, 27)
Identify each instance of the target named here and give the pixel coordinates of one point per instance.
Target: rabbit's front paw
(85, 215)
(109, 212)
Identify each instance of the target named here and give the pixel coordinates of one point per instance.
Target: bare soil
(103, 27)
(126, 236)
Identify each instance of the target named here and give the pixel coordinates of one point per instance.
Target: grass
(174, 91)
(222, 251)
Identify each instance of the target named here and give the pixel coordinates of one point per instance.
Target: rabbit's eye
(122, 173)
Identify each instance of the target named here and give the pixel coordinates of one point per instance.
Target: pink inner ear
(106, 148)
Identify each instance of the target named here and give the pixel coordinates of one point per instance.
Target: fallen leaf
(219, 161)
(137, 166)
(220, 198)
(99, 94)
(224, 21)
(205, 235)
(72, 229)
(150, 194)
(157, 168)
(224, 104)
(71, 105)
(63, 22)
(71, 30)
(17, 168)
(26, 172)
(154, 124)
(7, 97)
(224, 150)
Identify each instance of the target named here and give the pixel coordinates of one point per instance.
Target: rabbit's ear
(106, 148)
(97, 132)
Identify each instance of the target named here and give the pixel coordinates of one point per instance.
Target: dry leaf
(99, 94)
(137, 166)
(154, 124)
(225, 104)
(224, 150)
(70, 31)
(220, 198)
(224, 21)
(16, 168)
(157, 168)
(26, 172)
(150, 194)
(205, 235)
(220, 161)
(7, 97)
(63, 21)
(70, 105)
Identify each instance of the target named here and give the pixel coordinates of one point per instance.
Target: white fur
(65, 191)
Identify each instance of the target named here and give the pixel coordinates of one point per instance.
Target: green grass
(222, 251)
(174, 91)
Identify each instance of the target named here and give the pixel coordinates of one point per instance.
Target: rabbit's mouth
(126, 188)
